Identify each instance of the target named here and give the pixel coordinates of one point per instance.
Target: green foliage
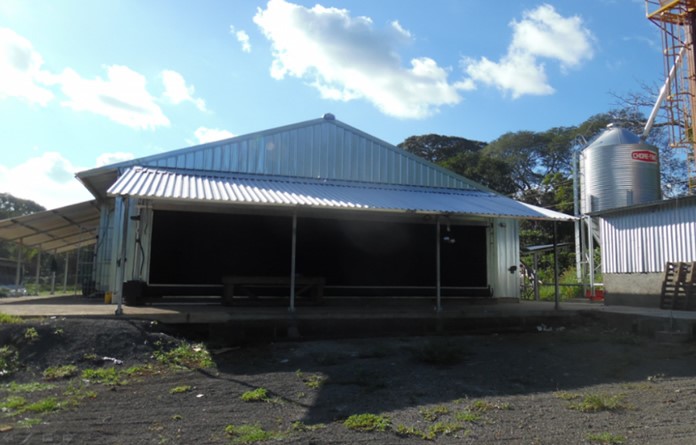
(367, 422)
(256, 395)
(31, 334)
(14, 387)
(186, 355)
(302, 427)
(250, 433)
(181, 389)
(10, 319)
(434, 413)
(606, 438)
(563, 395)
(468, 416)
(105, 376)
(592, 403)
(46, 405)
(9, 360)
(312, 381)
(60, 372)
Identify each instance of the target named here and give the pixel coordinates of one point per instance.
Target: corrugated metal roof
(58, 230)
(160, 184)
(321, 148)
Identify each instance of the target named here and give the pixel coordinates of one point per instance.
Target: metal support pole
(590, 255)
(535, 259)
(293, 262)
(438, 306)
(18, 274)
(65, 275)
(77, 268)
(555, 265)
(38, 271)
(121, 271)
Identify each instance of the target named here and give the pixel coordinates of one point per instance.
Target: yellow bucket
(107, 297)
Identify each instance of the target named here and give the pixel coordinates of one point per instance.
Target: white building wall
(504, 254)
(643, 240)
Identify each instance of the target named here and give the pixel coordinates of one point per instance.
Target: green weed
(187, 356)
(60, 372)
(9, 360)
(606, 438)
(257, 395)
(592, 403)
(180, 389)
(29, 422)
(105, 376)
(434, 413)
(10, 319)
(14, 387)
(250, 433)
(31, 334)
(563, 395)
(302, 427)
(367, 422)
(468, 416)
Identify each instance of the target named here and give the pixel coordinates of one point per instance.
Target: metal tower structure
(677, 20)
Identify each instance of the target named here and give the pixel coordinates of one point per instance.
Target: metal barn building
(638, 241)
(316, 199)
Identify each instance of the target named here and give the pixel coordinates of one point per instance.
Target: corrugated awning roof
(58, 230)
(171, 185)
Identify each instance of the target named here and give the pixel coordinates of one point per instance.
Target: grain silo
(618, 170)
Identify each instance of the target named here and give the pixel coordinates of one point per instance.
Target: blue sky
(87, 83)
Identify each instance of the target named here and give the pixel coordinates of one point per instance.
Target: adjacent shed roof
(58, 230)
(174, 185)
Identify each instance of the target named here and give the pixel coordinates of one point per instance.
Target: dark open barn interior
(353, 256)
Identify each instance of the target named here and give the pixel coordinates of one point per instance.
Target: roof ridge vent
(329, 117)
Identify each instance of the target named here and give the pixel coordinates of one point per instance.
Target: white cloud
(204, 134)
(347, 58)
(176, 91)
(112, 158)
(121, 97)
(542, 33)
(47, 179)
(21, 74)
(243, 38)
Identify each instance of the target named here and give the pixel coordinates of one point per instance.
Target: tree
(11, 206)
(437, 148)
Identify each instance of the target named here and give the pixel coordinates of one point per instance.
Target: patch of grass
(187, 356)
(606, 438)
(312, 381)
(10, 319)
(77, 392)
(142, 370)
(46, 405)
(29, 422)
(433, 432)
(12, 403)
(177, 417)
(593, 403)
(31, 334)
(467, 416)
(434, 413)
(247, 433)
(60, 372)
(181, 389)
(440, 353)
(25, 388)
(105, 376)
(257, 395)
(302, 427)
(58, 331)
(9, 360)
(567, 396)
(367, 422)
(481, 406)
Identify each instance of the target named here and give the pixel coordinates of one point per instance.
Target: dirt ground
(580, 385)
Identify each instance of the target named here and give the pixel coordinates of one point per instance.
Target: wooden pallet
(678, 286)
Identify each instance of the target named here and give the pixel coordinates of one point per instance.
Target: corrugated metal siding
(316, 149)
(173, 185)
(644, 240)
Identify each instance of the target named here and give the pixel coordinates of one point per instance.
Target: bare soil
(581, 385)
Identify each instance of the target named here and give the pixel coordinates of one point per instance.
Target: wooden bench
(248, 283)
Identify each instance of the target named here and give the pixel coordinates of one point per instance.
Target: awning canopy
(58, 230)
(263, 190)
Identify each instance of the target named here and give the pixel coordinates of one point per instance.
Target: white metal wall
(504, 253)
(642, 241)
